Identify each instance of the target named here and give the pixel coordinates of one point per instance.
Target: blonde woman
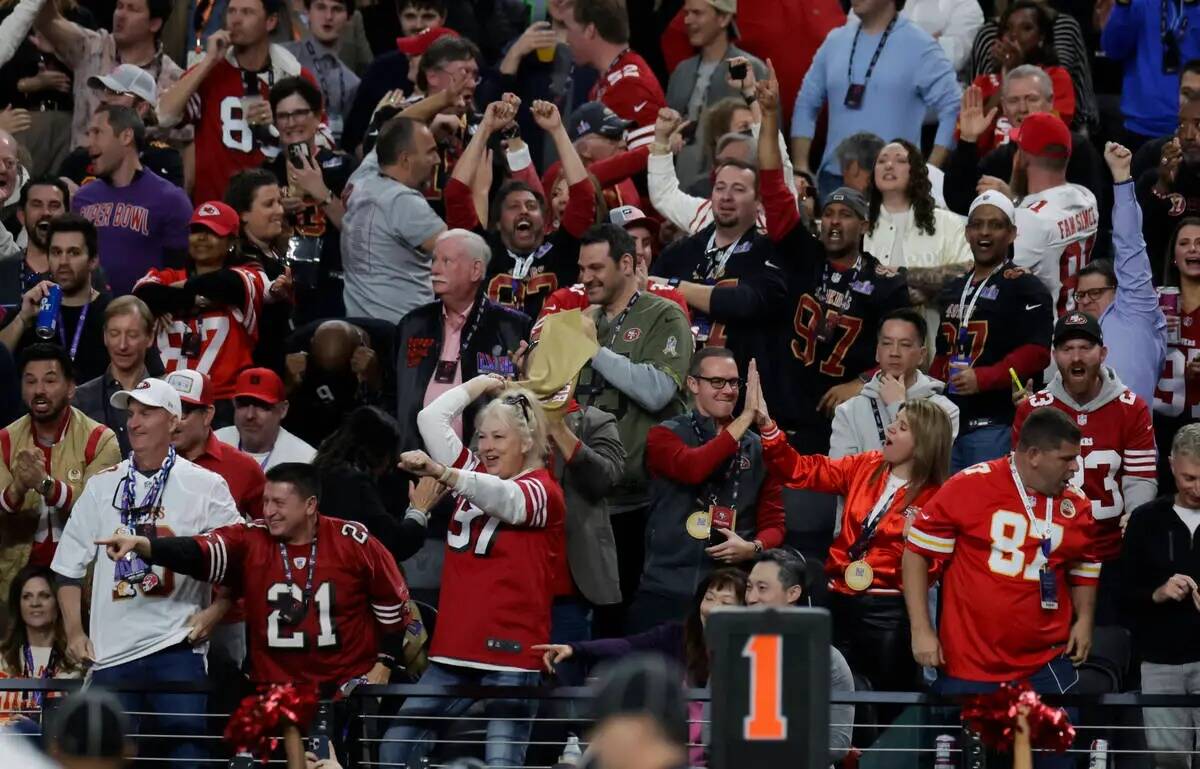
(504, 562)
(883, 491)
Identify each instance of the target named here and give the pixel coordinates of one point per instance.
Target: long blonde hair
(932, 439)
(521, 411)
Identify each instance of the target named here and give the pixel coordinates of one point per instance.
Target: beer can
(943, 755)
(1098, 755)
(1168, 302)
(47, 317)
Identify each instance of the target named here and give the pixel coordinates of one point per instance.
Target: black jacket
(1158, 545)
(497, 333)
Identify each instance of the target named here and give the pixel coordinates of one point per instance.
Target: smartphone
(737, 71)
(322, 728)
(297, 153)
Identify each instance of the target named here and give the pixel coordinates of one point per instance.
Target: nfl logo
(300, 562)
(1081, 419)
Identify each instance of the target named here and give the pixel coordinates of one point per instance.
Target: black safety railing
(896, 730)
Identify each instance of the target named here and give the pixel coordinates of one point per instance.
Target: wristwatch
(673, 282)
(46, 486)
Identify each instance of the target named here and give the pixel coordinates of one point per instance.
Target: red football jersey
(1118, 441)
(575, 298)
(227, 334)
(630, 89)
(993, 626)
(224, 142)
(358, 597)
(498, 579)
(1176, 395)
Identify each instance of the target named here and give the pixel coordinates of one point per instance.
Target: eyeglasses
(299, 114)
(1092, 294)
(720, 382)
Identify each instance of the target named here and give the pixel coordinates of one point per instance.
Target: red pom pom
(255, 725)
(994, 717)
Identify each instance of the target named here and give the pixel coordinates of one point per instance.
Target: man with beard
(1117, 458)
(1172, 190)
(142, 218)
(46, 457)
(41, 200)
(333, 367)
(79, 325)
(995, 317)
(526, 266)
(729, 249)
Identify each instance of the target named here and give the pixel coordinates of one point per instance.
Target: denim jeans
(507, 734)
(982, 445)
(173, 710)
(1058, 676)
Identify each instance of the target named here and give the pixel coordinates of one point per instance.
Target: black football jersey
(555, 265)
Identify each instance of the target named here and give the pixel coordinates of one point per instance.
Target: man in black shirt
(79, 325)
(41, 200)
(994, 318)
(312, 179)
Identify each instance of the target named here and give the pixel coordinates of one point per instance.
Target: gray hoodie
(854, 426)
(1136, 490)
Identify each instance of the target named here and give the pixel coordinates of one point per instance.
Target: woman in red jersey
(505, 557)
(884, 490)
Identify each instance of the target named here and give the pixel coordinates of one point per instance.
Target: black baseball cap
(644, 684)
(1077, 325)
(595, 118)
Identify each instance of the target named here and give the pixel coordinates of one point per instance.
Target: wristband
(659, 148)
(673, 282)
(387, 660)
(444, 478)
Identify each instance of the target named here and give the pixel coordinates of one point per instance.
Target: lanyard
(157, 487)
(878, 421)
(967, 311)
(78, 330)
(1042, 532)
(875, 58)
(620, 321)
(733, 473)
(312, 566)
(829, 275)
(715, 258)
(47, 672)
(464, 340)
(523, 264)
(267, 459)
(874, 518)
(1177, 28)
(597, 384)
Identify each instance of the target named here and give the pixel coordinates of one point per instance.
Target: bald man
(13, 177)
(332, 367)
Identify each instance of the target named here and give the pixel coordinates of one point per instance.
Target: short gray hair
(474, 243)
(732, 138)
(1031, 71)
(862, 148)
(1187, 442)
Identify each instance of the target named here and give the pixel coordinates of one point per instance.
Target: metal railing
(896, 730)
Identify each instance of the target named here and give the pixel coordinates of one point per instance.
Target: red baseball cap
(261, 384)
(216, 216)
(1039, 133)
(194, 387)
(418, 44)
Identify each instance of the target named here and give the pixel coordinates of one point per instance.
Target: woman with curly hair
(35, 646)
(906, 229)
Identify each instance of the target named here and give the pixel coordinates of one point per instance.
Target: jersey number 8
(1008, 533)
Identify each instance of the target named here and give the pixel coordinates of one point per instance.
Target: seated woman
(209, 310)
(684, 642)
(883, 491)
(906, 228)
(504, 564)
(1026, 36)
(35, 646)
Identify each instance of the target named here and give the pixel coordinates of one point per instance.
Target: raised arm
(435, 421)
(66, 37)
(172, 103)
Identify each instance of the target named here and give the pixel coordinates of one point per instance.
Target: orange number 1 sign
(766, 720)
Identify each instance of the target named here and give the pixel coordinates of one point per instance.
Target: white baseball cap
(997, 199)
(150, 392)
(129, 79)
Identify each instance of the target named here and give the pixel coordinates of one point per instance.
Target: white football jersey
(1056, 229)
(127, 622)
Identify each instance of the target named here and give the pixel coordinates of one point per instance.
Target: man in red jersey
(1019, 587)
(598, 34)
(1117, 458)
(225, 96)
(320, 617)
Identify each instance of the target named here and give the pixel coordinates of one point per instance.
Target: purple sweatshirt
(1135, 331)
(138, 225)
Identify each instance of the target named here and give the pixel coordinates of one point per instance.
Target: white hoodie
(854, 426)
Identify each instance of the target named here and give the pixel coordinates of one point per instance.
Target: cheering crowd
(485, 341)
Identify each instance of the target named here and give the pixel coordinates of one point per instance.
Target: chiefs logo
(208, 209)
